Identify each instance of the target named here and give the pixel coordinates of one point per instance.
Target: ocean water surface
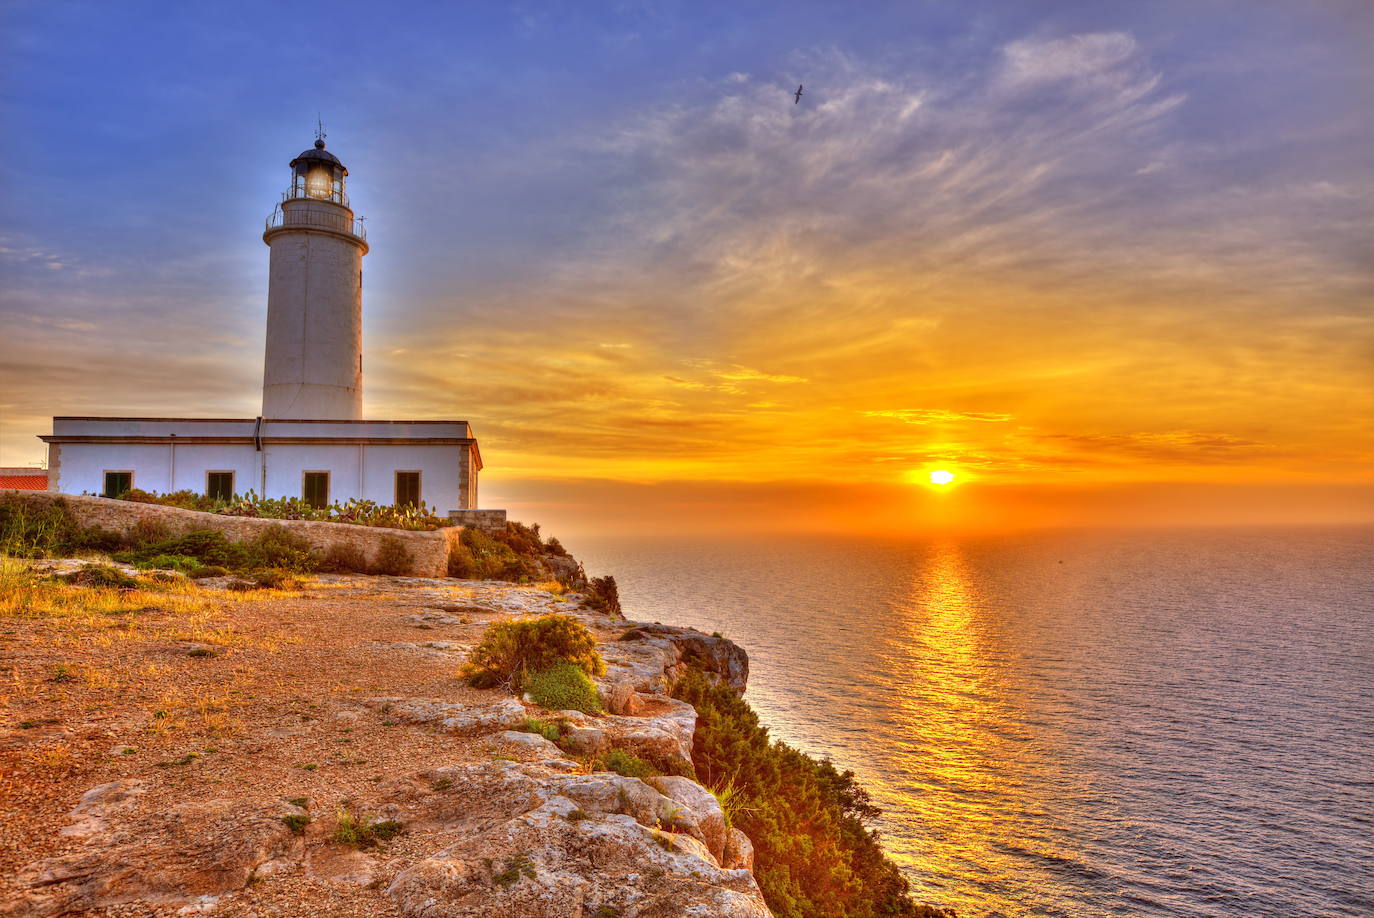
(1073, 723)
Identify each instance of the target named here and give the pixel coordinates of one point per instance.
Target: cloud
(744, 374)
(936, 416)
(1092, 57)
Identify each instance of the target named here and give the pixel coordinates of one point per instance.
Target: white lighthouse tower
(314, 361)
(311, 441)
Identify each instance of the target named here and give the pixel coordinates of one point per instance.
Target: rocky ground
(199, 753)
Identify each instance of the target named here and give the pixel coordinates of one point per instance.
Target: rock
(460, 718)
(178, 856)
(617, 695)
(89, 816)
(530, 743)
(717, 656)
(335, 865)
(739, 851)
(588, 741)
(701, 804)
(550, 863)
(604, 793)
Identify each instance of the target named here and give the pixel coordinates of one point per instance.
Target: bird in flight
(798, 94)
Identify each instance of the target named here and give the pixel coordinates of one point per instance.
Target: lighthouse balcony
(300, 213)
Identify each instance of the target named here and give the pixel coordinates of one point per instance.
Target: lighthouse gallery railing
(337, 222)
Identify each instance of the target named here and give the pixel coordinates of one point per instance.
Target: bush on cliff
(564, 687)
(515, 554)
(604, 596)
(512, 650)
(815, 856)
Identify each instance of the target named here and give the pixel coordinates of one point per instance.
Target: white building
(310, 441)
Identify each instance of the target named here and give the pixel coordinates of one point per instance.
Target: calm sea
(1087, 723)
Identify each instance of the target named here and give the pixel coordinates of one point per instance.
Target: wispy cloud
(936, 416)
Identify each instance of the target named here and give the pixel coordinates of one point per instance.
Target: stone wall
(479, 519)
(428, 550)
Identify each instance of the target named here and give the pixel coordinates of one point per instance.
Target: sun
(941, 477)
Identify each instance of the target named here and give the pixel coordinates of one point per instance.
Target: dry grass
(81, 616)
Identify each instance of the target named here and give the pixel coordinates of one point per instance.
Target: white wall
(80, 468)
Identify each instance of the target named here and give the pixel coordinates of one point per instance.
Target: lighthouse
(313, 367)
(311, 441)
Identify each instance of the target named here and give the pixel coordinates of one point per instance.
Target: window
(219, 485)
(315, 489)
(116, 483)
(407, 489)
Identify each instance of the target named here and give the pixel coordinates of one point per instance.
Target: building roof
(35, 482)
(319, 153)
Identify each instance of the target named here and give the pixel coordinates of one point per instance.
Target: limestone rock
(179, 856)
(89, 816)
(460, 718)
(739, 851)
(545, 863)
(701, 804)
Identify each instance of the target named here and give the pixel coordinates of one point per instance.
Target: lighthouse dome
(318, 154)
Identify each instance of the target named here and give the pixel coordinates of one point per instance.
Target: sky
(1108, 263)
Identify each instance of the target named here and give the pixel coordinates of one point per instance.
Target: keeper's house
(311, 440)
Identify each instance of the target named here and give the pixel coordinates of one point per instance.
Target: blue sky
(603, 231)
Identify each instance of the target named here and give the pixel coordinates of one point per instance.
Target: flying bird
(798, 94)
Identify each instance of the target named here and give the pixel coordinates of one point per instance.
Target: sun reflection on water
(969, 759)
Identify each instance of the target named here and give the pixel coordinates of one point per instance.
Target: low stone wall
(489, 520)
(428, 550)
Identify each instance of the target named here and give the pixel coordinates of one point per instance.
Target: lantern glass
(319, 182)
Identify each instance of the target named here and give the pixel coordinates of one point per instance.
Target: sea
(1076, 723)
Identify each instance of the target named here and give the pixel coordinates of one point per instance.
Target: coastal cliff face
(182, 749)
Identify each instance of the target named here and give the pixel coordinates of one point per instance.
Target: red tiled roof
(25, 482)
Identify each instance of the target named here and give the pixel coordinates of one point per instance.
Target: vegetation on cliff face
(517, 554)
(815, 855)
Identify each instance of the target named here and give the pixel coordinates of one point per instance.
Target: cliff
(180, 748)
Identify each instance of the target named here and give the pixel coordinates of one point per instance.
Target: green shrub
(210, 570)
(276, 547)
(296, 822)
(510, 650)
(604, 596)
(354, 511)
(564, 687)
(814, 853)
(515, 554)
(275, 578)
(551, 730)
(279, 547)
(516, 867)
(184, 563)
(345, 558)
(393, 557)
(32, 532)
(101, 576)
(360, 830)
(625, 763)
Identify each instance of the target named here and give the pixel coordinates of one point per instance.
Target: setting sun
(941, 477)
